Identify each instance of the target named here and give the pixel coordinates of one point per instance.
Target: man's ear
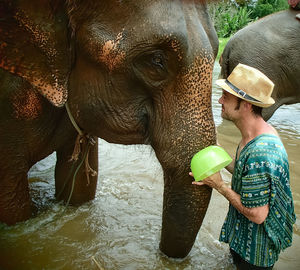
(246, 106)
(34, 45)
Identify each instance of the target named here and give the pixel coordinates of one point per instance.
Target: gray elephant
(130, 72)
(271, 45)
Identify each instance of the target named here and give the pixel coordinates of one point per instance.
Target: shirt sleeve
(257, 178)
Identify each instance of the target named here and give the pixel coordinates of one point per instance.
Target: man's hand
(214, 181)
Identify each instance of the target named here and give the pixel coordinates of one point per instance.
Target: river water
(120, 229)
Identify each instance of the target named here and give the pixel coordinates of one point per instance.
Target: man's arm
(255, 214)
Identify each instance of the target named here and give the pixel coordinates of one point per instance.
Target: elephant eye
(157, 60)
(151, 67)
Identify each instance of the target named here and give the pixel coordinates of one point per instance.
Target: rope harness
(83, 144)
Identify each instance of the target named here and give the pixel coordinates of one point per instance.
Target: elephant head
(273, 49)
(132, 72)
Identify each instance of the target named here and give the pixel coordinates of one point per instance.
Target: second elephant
(271, 45)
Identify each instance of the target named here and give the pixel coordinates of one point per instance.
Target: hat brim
(263, 104)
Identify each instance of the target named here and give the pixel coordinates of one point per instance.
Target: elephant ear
(34, 45)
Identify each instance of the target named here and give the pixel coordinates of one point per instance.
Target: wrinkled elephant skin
(271, 45)
(132, 72)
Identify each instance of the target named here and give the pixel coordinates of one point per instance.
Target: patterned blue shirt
(261, 176)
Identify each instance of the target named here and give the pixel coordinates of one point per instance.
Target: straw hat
(249, 84)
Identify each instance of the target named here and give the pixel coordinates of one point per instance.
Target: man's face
(230, 106)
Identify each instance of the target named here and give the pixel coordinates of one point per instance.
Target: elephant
(271, 45)
(130, 72)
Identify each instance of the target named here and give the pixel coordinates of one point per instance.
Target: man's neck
(253, 126)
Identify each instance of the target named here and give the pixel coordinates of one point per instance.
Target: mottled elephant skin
(271, 45)
(132, 72)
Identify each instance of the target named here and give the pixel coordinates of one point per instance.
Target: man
(259, 223)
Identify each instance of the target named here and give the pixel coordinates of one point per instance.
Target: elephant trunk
(192, 129)
(184, 204)
(183, 211)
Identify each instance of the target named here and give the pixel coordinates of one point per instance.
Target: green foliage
(228, 18)
(265, 7)
(243, 3)
(262, 10)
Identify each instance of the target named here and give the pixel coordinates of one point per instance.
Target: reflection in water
(121, 227)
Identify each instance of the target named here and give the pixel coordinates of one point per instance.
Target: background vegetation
(229, 16)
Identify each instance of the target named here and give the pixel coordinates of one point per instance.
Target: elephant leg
(72, 182)
(15, 202)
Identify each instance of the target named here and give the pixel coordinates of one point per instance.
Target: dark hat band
(240, 92)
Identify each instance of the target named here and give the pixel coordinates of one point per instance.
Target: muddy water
(120, 229)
